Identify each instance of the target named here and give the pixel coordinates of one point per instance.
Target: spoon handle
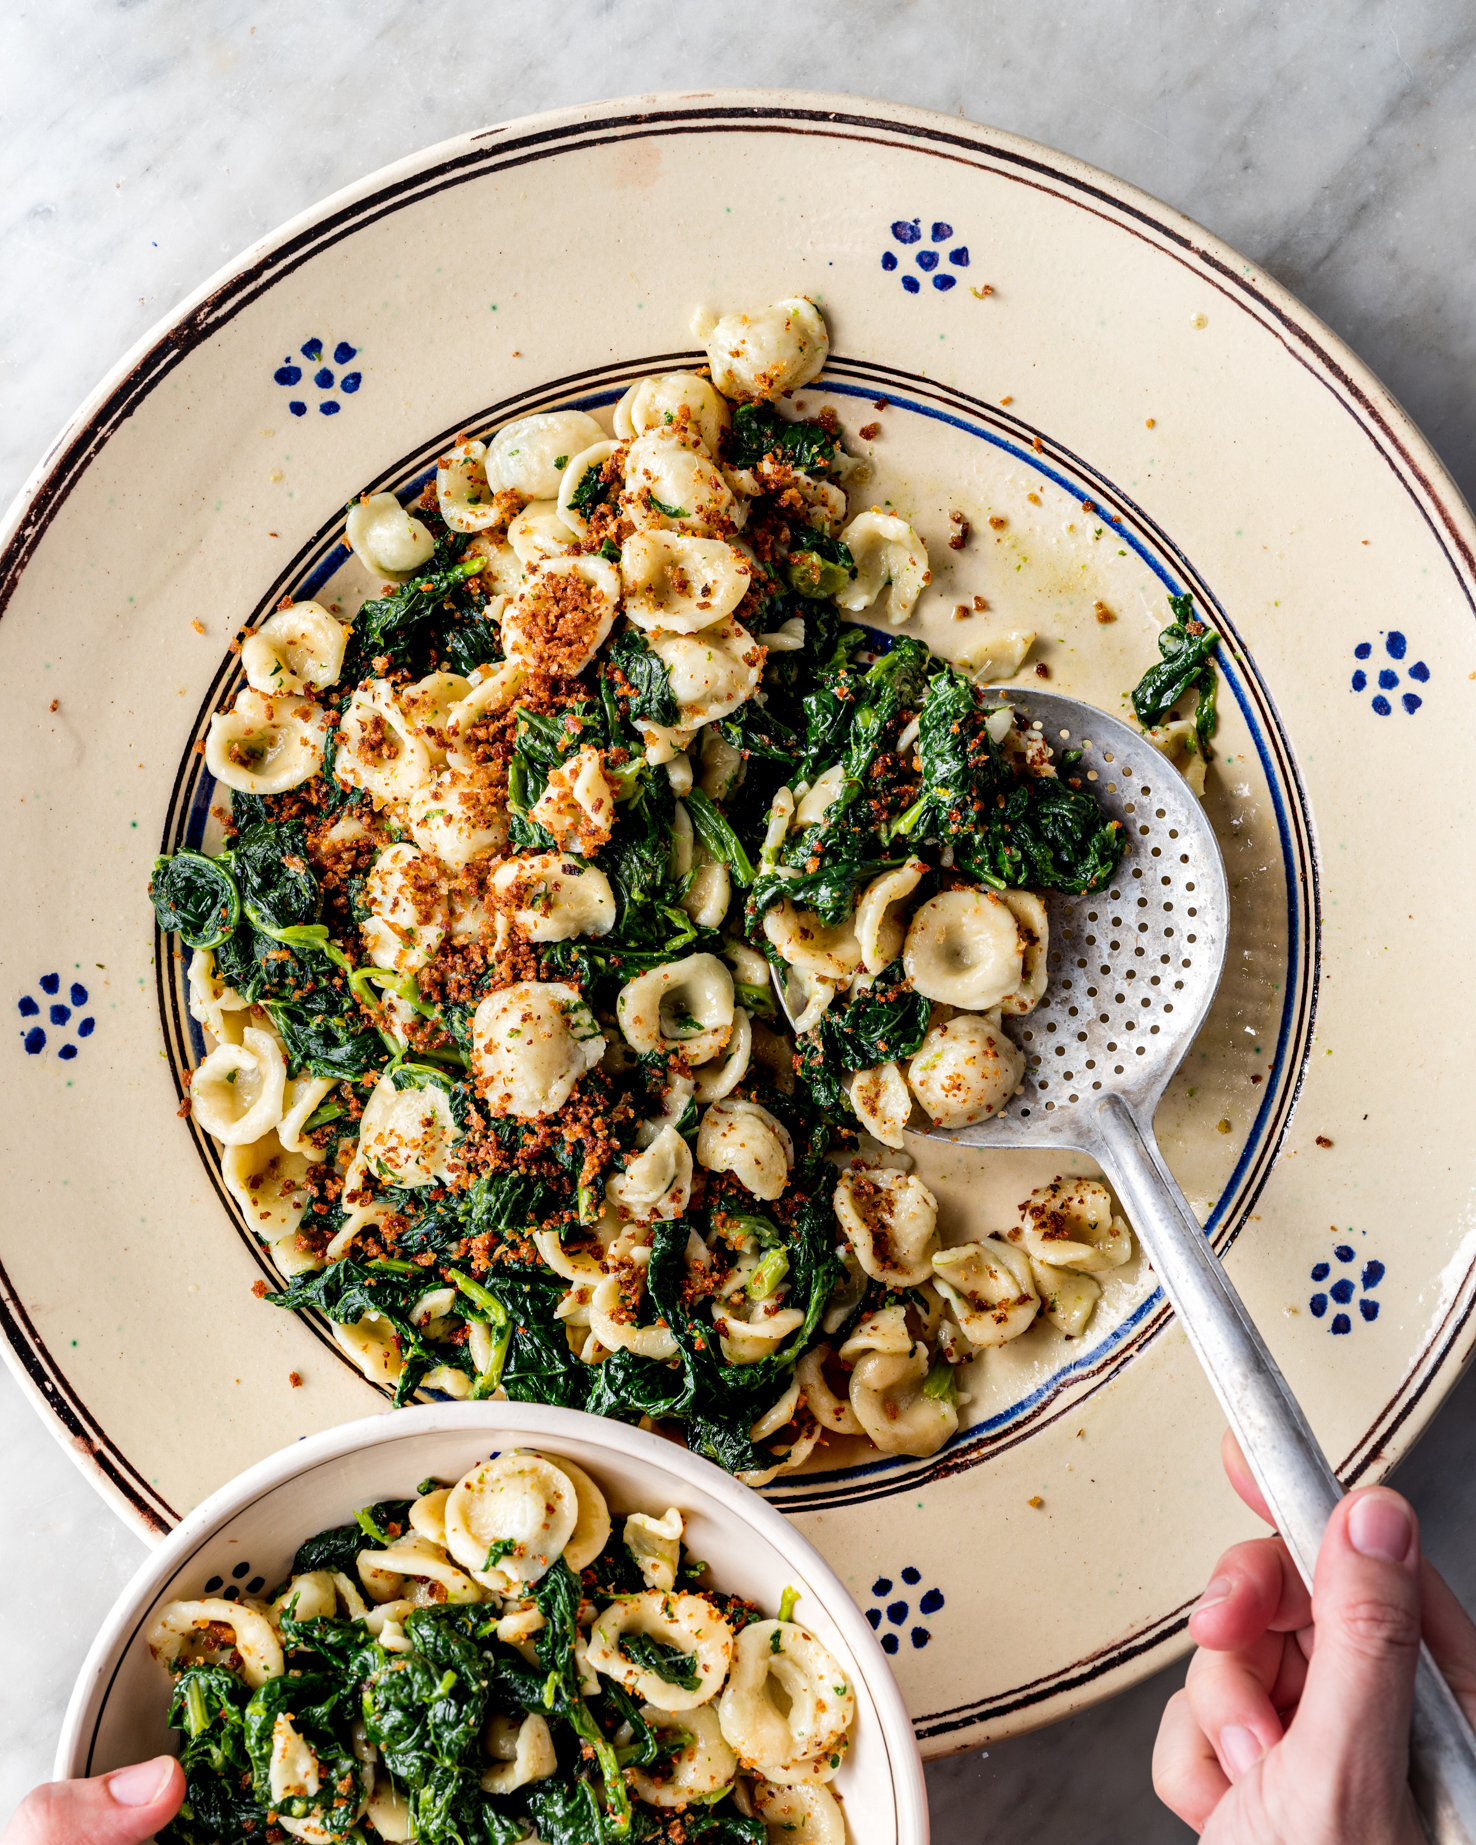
(1299, 1486)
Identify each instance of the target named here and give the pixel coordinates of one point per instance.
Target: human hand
(1273, 1741)
(122, 1808)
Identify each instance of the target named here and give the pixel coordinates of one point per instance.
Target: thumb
(123, 1808)
(1351, 1732)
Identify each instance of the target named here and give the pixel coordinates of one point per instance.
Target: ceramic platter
(1044, 338)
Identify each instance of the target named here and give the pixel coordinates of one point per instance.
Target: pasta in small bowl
(500, 1621)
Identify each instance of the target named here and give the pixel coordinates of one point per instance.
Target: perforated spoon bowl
(1133, 971)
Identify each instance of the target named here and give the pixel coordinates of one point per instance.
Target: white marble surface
(146, 141)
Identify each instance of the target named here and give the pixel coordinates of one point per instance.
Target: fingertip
(1237, 1471)
(144, 1784)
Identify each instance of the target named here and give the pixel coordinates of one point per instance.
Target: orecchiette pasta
(1067, 1296)
(513, 1514)
(701, 1764)
(563, 609)
(454, 818)
(182, 1627)
(1070, 1224)
(812, 1711)
(406, 1135)
(686, 1005)
(265, 744)
(890, 1403)
(490, 694)
(879, 926)
(711, 672)
(408, 912)
(295, 649)
(656, 1545)
(767, 354)
(990, 1288)
(658, 1182)
(964, 1070)
(576, 805)
(805, 1814)
(571, 480)
(466, 498)
(672, 483)
(387, 540)
(687, 1622)
(530, 454)
(540, 532)
(886, 551)
(744, 1138)
(963, 949)
(680, 583)
(551, 896)
(659, 401)
(999, 655)
(428, 704)
(892, 1221)
(532, 1042)
(525, 1753)
(829, 951)
(378, 751)
(236, 1094)
(1035, 940)
(882, 1102)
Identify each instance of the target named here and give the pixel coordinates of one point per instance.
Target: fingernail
(1220, 1590)
(1381, 1527)
(141, 1784)
(1239, 1750)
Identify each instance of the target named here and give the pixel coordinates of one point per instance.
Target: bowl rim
(538, 1420)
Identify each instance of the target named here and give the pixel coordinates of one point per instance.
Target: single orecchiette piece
(378, 751)
(892, 1407)
(427, 705)
(1067, 1296)
(686, 1005)
(744, 1138)
(723, 766)
(750, 1330)
(572, 479)
(416, 1560)
(656, 1545)
(179, 1624)
(502, 569)
(990, 1288)
(885, 1330)
(610, 1323)
(523, 1752)
(1029, 912)
(882, 1101)
(309, 1597)
(680, 583)
(657, 1183)
(407, 906)
(408, 1133)
(699, 1766)
(386, 539)
(807, 942)
(265, 745)
(879, 925)
(672, 483)
(552, 897)
(1179, 742)
(817, 800)
(711, 672)
(372, 1345)
(563, 609)
(297, 648)
(576, 805)
(530, 455)
(271, 1186)
(766, 354)
(540, 533)
(465, 496)
(689, 1623)
(657, 401)
(805, 1814)
(963, 949)
(833, 1413)
(214, 1002)
(531, 1043)
(236, 1094)
(1070, 1224)
(886, 550)
(496, 689)
(299, 1099)
(513, 1514)
(456, 817)
(892, 1221)
(811, 1712)
(965, 1070)
(999, 655)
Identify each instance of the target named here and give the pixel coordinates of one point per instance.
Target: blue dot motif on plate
(61, 1018)
(1335, 1298)
(1388, 678)
(900, 1614)
(928, 258)
(332, 386)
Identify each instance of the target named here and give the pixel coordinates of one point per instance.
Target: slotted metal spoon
(1133, 971)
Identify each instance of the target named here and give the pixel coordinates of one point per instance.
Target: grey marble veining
(144, 142)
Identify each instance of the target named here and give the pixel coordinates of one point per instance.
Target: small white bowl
(246, 1535)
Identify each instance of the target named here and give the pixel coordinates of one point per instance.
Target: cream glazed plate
(1121, 409)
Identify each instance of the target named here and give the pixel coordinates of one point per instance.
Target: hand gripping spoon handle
(1133, 970)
